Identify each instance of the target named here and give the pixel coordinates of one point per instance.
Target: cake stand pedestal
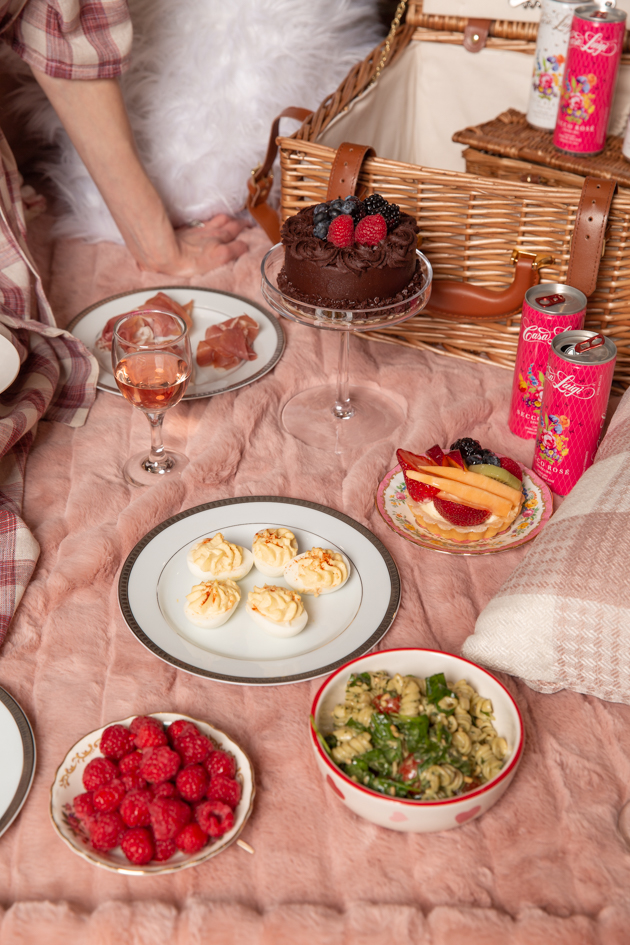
(341, 417)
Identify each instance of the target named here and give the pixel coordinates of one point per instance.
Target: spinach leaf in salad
(360, 677)
(386, 736)
(415, 730)
(437, 688)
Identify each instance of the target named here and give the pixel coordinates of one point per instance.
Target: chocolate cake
(332, 263)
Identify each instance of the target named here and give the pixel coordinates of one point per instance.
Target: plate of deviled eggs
(259, 590)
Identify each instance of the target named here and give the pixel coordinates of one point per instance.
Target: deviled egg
(318, 571)
(218, 559)
(212, 603)
(277, 610)
(273, 548)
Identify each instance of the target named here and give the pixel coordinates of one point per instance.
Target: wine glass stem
(157, 456)
(343, 409)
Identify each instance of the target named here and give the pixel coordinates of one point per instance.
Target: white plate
(18, 759)
(9, 362)
(155, 580)
(69, 782)
(210, 308)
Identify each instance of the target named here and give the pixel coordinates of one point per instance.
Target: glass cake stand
(340, 417)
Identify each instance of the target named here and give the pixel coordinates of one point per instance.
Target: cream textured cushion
(562, 620)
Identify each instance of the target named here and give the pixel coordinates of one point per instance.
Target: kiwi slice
(497, 472)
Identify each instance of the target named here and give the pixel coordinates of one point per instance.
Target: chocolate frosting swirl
(392, 252)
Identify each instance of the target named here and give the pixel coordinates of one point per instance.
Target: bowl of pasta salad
(416, 740)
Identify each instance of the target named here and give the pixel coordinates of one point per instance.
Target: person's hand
(205, 246)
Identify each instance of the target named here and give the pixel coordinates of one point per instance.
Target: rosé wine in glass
(152, 362)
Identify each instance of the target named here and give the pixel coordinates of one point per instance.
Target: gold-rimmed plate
(210, 308)
(391, 501)
(18, 759)
(68, 784)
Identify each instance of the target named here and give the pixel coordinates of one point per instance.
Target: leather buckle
(475, 35)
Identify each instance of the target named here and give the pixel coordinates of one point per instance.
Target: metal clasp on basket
(539, 260)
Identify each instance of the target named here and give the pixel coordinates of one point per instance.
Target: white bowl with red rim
(402, 814)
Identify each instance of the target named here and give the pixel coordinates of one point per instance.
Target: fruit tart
(465, 494)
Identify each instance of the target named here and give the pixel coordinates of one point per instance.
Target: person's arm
(94, 115)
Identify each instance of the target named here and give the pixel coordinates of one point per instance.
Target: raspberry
(371, 230)
(98, 771)
(116, 741)
(134, 808)
(341, 231)
(214, 817)
(137, 845)
(130, 763)
(83, 807)
(191, 839)
(193, 747)
(159, 764)
(164, 849)
(105, 834)
(136, 724)
(180, 727)
(219, 762)
(133, 782)
(164, 789)
(224, 789)
(192, 782)
(150, 736)
(512, 467)
(168, 817)
(109, 796)
(457, 514)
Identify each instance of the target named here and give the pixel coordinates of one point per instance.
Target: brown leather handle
(461, 300)
(589, 235)
(345, 170)
(259, 184)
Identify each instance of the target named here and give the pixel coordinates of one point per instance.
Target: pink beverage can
(548, 310)
(577, 387)
(595, 46)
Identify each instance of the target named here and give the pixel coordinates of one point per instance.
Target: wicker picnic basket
(469, 227)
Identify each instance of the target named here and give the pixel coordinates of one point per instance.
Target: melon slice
(470, 495)
(480, 482)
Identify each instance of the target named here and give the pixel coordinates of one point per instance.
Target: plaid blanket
(57, 380)
(561, 620)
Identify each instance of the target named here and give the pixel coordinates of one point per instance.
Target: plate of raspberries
(152, 794)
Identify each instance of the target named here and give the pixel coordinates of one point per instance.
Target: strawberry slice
(437, 455)
(415, 461)
(455, 458)
(462, 515)
(512, 467)
(419, 491)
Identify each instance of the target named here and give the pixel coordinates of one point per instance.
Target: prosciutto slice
(140, 330)
(228, 343)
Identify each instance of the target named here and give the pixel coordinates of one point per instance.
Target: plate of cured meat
(234, 341)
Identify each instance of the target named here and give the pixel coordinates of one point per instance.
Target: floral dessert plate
(391, 501)
(210, 308)
(155, 580)
(68, 784)
(18, 759)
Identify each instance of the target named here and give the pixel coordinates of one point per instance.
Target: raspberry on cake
(350, 254)
(465, 494)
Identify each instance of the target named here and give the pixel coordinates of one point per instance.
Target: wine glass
(152, 364)
(340, 417)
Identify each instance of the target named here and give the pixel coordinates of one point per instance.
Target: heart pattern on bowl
(334, 787)
(467, 814)
(398, 816)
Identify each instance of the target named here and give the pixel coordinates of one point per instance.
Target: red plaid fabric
(68, 39)
(73, 39)
(57, 379)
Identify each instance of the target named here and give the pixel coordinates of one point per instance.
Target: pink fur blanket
(546, 865)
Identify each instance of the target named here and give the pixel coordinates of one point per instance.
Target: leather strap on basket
(345, 170)
(589, 236)
(259, 184)
(463, 301)
(476, 34)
